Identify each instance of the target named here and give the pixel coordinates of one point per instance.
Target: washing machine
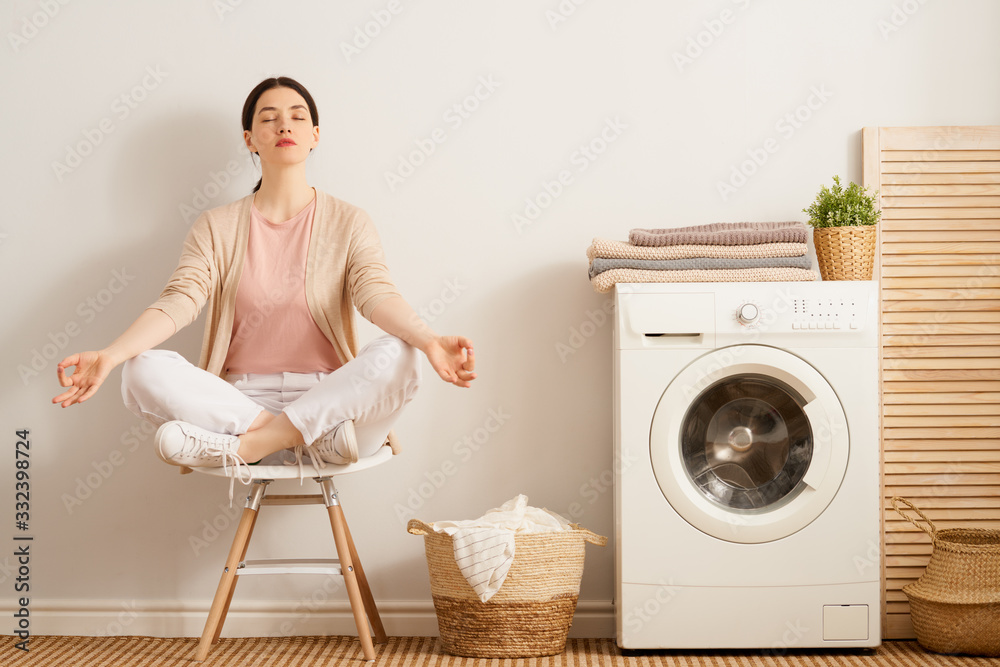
(747, 465)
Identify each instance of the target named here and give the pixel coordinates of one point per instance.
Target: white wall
(113, 550)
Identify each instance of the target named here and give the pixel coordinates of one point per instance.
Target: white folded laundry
(484, 547)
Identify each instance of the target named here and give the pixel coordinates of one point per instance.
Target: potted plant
(844, 223)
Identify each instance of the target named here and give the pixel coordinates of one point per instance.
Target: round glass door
(749, 443)
(746, 442)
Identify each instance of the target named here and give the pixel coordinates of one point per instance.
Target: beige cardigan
(345, 268)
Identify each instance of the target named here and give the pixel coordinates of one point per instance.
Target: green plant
(841, 207)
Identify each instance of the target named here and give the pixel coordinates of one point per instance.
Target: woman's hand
(150, 329)
(453, 359)
(91, 369)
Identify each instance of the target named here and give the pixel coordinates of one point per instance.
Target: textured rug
(426, 652)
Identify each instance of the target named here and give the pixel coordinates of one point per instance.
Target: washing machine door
(749, 443)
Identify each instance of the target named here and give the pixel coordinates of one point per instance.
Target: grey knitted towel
(723, 233)
(600, 265)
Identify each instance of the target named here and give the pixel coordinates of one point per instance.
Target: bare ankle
(260, 421)
(247, 451)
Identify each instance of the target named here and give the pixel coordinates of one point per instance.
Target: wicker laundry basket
(531, 613)
(955, 605)
(845, 253)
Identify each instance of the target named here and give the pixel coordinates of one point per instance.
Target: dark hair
(276, 82)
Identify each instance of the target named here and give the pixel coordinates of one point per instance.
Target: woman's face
(282, 131)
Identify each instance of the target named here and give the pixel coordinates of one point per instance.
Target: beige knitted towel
(604, 282)
(609, 249)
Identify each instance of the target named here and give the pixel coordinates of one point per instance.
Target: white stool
(347, 563)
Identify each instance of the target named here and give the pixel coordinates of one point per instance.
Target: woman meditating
(282, 271)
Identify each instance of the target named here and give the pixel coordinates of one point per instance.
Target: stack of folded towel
(720, 252)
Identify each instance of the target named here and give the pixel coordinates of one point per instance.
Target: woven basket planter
(531, 613)
(955, 605)
(845, 253)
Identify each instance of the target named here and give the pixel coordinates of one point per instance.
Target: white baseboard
(250, 618)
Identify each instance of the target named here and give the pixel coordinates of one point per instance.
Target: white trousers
(371, 389)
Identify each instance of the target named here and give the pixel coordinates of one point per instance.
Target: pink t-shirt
(273, 330)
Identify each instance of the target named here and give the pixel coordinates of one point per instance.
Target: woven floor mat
(426, 652)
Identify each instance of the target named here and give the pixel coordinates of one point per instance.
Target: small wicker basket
(531, 613)
(955, 605)
(845, 253)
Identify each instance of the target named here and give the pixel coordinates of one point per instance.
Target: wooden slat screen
(939, 273)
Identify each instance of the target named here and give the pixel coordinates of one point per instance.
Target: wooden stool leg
(338, 524)
(232, 588)
(366, 591)
(227, 583)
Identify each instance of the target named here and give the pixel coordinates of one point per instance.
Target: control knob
(748, 314)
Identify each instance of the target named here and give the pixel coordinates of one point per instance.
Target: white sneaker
(182, 444)
(297, 452)
(339, 446)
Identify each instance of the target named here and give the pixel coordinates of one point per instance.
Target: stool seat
(309, 470)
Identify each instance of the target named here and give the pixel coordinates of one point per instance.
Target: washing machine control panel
(828, 313)
(710, 315)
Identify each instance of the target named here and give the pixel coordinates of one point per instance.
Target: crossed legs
(274, 412)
